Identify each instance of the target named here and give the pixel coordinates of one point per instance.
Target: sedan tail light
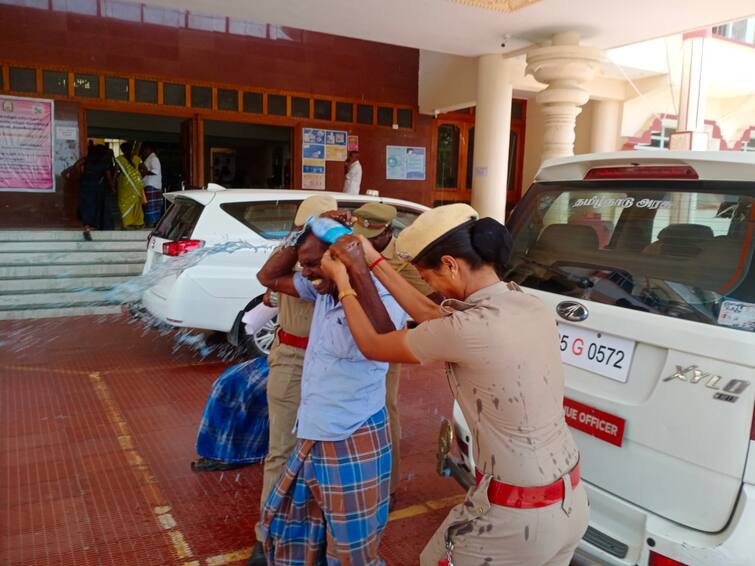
(660, 560)
(181, 247)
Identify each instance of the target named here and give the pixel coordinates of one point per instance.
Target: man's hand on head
(341, 215)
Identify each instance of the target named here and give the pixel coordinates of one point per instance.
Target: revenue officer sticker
(602, 425)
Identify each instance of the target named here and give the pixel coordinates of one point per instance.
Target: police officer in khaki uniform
(501, 350)
(286, 362)
(374, 221)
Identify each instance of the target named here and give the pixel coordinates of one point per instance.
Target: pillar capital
(564, 65)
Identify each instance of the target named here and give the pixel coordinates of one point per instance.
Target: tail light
(181, 247)
(682, 172)
(660, 560)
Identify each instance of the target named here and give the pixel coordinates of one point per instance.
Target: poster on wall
(353, 143)
(26, 155)
(319, 146)
(313, 174)
(335, 145)
(404, 163)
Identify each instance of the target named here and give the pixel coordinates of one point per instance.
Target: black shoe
(258, 557)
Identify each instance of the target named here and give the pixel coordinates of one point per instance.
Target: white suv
(646, 260)
(208, 294)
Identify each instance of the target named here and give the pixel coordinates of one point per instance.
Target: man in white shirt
(153, 184)
(353, 174)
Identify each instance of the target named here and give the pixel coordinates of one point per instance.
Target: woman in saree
(130, 187)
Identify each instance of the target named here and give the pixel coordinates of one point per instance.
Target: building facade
(223, 101)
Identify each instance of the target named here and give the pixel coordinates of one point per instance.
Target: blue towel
(234, 427)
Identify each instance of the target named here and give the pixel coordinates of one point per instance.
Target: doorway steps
(56, 273)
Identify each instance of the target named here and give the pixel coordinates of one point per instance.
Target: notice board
(26, 145)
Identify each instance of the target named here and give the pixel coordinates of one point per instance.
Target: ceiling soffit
(505, 6)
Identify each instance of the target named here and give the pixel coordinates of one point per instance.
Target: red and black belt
(292, 340)
(507, 495)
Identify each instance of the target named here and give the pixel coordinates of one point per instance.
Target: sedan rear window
(683, 250)
(274, 220)
(179, 220)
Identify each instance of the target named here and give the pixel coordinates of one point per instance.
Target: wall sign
(319, 146)
(405, 163)
(26, 158)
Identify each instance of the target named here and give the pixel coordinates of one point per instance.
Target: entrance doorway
(240, 155)
(114, 128)
(454, 155)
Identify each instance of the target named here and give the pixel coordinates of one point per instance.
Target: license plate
(598, 352)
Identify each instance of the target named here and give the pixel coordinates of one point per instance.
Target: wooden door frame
(461, 193)
(465, 120)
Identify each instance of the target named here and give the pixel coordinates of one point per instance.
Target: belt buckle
(449, 561)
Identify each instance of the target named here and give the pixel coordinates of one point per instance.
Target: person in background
(374, 221)
(503, 363)
(153, 184)
(130, 188)
(286, 361)
(353, 170)
(331, 503)
(96, 178)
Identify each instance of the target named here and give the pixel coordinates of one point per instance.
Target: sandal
(210, 465)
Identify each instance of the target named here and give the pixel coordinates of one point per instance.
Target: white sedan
(230, 234)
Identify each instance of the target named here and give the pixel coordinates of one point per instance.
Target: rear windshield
(270, 219)
(682, 250)
(179, 220)
(274, 220)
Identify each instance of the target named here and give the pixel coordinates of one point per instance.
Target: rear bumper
(189, 304)
(622, 534)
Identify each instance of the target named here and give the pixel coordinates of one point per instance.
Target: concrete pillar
(492, 130)
(564, 65)
(690, 132)
(606, 125)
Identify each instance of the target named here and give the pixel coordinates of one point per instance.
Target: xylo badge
(692, 374)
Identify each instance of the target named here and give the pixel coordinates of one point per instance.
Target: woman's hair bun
(492, 241)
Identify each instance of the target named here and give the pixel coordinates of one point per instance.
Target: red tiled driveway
(97, 428)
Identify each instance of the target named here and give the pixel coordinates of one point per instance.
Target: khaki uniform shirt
(504, 367)
(294, 315)
(405, 269)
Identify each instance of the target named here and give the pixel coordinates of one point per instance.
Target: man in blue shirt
(332, 499)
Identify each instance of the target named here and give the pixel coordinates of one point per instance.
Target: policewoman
(286, 362)
(500, 346)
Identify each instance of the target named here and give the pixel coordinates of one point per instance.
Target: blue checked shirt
(340, 388)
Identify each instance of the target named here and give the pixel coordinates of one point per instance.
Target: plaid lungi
(153, 210)
(330, 505)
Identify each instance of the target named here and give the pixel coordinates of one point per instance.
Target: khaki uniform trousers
(283, 398)
(482, 533)
(391, 404)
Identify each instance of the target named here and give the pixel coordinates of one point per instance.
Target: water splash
(32, 334)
